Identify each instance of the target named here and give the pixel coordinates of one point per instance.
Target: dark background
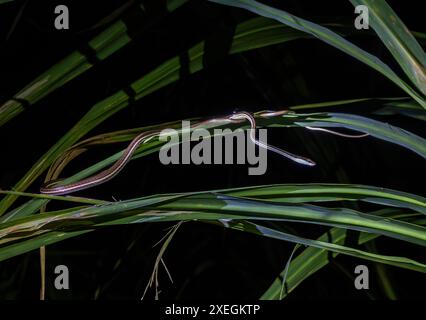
(205, 261)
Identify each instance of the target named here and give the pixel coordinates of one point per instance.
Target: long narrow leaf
(213, 206)
(398, 39)
(327, 36)
(333, 247)
(313, 259)
(103, 45)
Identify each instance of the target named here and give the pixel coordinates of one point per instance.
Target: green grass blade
(398, 39)
(106, 43)
(377, 129)
(342, 217)
(391, 106)
(400, 262)
(37, 242)
(213, 206)
(313, 259)
(287, 193)
(381, 130)
(327, 36)
(407, 108)
(47, 225)
(313, 192)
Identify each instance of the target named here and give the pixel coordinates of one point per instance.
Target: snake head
(240, 115)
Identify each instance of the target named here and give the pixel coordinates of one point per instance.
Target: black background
(205, 261)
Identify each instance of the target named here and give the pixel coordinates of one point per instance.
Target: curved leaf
(327, 36)
(313, 259)
(398, 39)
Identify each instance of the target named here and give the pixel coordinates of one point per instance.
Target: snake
(58, 188)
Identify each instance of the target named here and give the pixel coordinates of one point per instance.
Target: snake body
(56, 188)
